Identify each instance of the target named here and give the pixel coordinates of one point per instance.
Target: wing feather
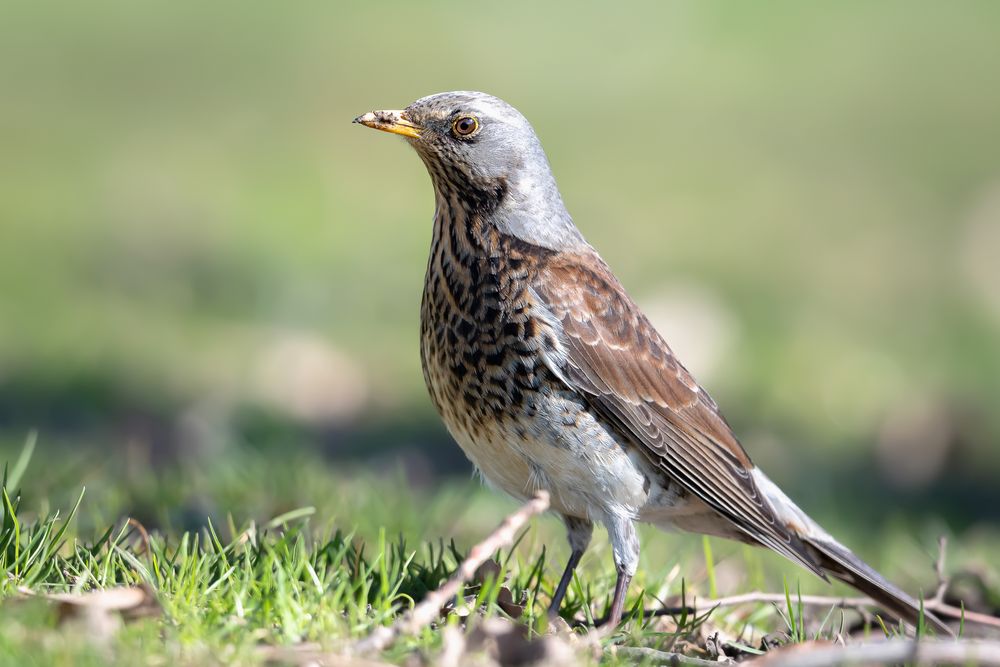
(611, 353)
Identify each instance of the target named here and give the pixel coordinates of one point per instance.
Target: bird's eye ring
(465, 126)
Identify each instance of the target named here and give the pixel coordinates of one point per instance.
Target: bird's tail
(838, 561)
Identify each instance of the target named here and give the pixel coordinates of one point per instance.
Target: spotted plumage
(549, 376)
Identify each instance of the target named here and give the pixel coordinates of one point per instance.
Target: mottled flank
(549, 376)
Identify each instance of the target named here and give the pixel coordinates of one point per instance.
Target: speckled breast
(483, 344)
(479, 343)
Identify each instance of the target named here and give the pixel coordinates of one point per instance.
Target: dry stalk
(655, 657)
(936, 604)
(429, 609)
(889, 651)
(857, 603)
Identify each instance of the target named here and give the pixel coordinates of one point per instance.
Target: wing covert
(613, 354)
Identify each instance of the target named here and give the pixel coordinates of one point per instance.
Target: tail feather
(838, 560)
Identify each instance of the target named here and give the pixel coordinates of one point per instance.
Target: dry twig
(936, 606)
(939, 570)
(311, 654)
(655, 657)
(143, 534)
(890, 651)
(425, 612)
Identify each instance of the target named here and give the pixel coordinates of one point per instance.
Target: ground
(287, 560)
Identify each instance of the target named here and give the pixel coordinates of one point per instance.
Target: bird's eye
(465, 126)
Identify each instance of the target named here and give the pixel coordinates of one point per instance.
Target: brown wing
(615, 356)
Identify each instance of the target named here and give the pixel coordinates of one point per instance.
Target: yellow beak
(395, 122)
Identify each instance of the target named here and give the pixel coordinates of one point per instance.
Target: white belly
(577, 459)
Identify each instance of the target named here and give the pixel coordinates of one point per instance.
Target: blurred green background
(201, 257)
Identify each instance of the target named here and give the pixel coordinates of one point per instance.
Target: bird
(549, 376)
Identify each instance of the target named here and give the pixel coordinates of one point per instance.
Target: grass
(234, 588)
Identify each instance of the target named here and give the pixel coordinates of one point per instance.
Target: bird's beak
(395, 122)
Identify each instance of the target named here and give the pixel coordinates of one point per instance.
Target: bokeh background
(204, 265)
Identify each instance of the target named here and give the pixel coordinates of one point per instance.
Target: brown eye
(465, 126)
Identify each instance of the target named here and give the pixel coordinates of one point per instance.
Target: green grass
(329, 573)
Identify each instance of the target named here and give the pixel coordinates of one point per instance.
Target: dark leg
(618, 602)
(578, 531)
(557, 597)
(625, 544)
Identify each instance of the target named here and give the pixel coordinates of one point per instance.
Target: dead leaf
(488, 571)
(505, 600)
(509, 644)
(100, 614)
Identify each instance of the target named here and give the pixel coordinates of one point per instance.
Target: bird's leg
(578, 531)
(557, 597)
(618, 601)
(625, 544)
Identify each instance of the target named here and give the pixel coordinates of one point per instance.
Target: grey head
(483, 156)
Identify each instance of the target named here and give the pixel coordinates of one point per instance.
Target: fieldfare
(549, 376)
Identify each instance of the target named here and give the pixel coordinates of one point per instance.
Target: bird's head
(464, 137)
(482, 153)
